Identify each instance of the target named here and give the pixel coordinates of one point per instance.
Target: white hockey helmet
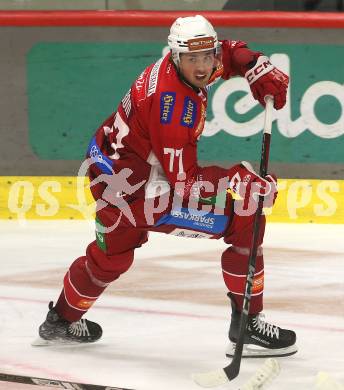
(191, 34)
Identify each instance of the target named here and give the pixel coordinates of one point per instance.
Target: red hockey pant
(112, 254)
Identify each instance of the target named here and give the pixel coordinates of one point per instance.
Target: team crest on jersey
(167, 101)
(189, 113)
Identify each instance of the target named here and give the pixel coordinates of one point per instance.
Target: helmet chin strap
(185, 81)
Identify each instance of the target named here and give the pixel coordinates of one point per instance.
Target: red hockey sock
(79, 291)
(87, 278)
(234, 269)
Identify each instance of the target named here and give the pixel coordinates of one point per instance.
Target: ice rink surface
(168, 316)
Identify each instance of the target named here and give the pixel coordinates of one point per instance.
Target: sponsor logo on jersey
(126, 103)
(194, 220)
(200, 127)
(189, 113)
(201, 43)
(153, 78)
(100, 237)
(167, 101)
(103, 162)
(140, 82)
(201, 219)
(189, 234)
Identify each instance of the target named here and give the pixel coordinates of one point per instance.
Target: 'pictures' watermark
(70, 198)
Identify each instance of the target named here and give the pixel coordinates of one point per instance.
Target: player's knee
(107, 268)
(236, 251)
(239, 233)
(236, 258)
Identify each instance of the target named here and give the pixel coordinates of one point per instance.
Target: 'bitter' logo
(167, 101)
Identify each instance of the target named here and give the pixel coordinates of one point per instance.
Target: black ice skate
(56, 330)
(261, 339)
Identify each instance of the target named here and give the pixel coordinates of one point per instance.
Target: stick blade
(263, 376)
(325, 382)
(232, 370)
(211, 378)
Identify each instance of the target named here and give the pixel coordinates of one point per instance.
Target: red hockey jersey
(155, 130)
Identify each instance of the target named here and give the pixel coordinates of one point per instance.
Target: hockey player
(145, 177)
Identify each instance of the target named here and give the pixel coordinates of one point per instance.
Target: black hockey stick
(60, 384)
(219, 377)
(232, 370)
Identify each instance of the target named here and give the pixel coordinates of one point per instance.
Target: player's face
(197, 67)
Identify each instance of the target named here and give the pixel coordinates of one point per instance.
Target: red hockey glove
(265, 79)
(247, 185)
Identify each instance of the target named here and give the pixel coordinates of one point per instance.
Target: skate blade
(39, 342)
(210, 379)
(259, 381)
(263, 377)
(255, 351)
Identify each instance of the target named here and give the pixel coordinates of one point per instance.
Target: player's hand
(247, 185)
(265, 79)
